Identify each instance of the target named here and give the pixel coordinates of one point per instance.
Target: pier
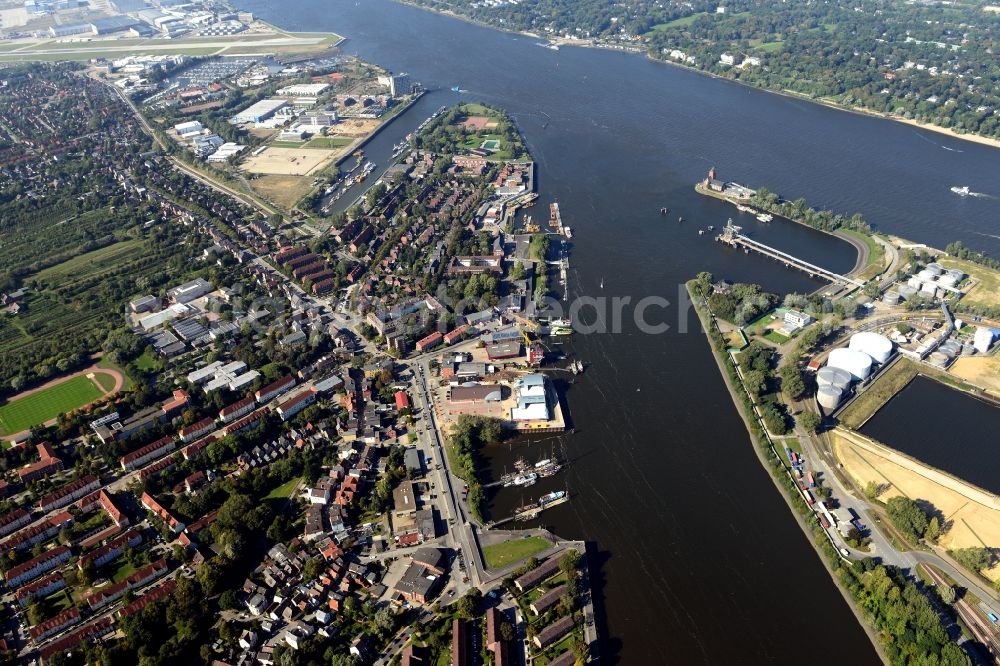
(529, 512)
(731, 236)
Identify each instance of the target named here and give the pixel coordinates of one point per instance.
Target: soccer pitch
(38, 407)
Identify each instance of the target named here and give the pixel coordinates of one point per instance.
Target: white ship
(961, 191)
(525, 479)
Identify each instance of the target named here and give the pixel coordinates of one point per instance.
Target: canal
(699, 559)
(943, 427)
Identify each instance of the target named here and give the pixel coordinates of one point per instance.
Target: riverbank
(792, 501)
(594, 44)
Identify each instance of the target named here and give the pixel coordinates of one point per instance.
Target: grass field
(284, 491)
(40, 406)
(682, 22)
(92, 263)
(501, 554)
(329, 142)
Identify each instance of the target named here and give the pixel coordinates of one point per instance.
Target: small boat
(542, 463)
(525, 479)
(961, 191)
(711, 227)
(551, 497)
(664, 210)
(701, 232)
(456, 89)
(602, 283)
(680, 219)
(765, 217)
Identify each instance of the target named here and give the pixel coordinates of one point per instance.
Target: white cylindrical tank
(936, 269)
(929, 288)
(891, 297)
(950, 348)
(857, 363)
(955, 273)
(875, 345)
(828, 397)
(927, 275)
(835, 377)
(907, 291)
(914, 282)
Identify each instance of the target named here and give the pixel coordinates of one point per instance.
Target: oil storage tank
(828, 397)
(875, 345)
(835, 377)
(858, 364)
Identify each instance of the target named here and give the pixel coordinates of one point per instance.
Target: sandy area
(288, 161)
(354, 127)
(283, 190)
(972, 516)
(979, 370)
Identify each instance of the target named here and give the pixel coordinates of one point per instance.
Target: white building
(189, 291)
(984, 338)
(259, 111)
(727, 59)
(532, 399)
(188, 129)
(795, 319)
(303, 90)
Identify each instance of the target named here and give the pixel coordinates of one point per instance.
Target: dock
(731, 236)
(529, 512)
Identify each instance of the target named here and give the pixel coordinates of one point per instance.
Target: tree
(385, 621)
(468, 605)
(507, 631)
(229, 600)
(569, 563)
(810, 421)
(933, 530)
(947, 593)
(907, 516)
(975, 558)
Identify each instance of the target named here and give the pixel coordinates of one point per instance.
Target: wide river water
(699, 560)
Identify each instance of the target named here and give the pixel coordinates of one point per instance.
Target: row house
(39, 469)
(238, 409)
(151, 505)
(140, 457)
(36, 566)
(13, 520)
(295, 404)
(274, 389)
(40, 589)
(110, 551)
(137, 579)
(54, 625)
(40, 533)
(87, 634)
(246, 423)
(192, 432)
(192, 451)
(151, 470)
(152, 596)
(69, 493)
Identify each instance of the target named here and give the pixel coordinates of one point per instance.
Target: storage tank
(914, 282)
(828, 397)
(857, 363)
(929, 288)
(950, 348)
(934, 268)
(955, 273)
(875, 345)
(907, 292)
(984, 337)
(938, 359)
(968, 349)
(948, 281)
(835, 377)
(891, 297)
(927, 275)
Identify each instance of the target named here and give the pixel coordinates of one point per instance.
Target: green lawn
(39, 407)
(501, 554)
(771, 47)
(776, 338)
(284, 491)
(92, 263)
(329, 142)
(682, 22)
(148, 362)
(124, 569)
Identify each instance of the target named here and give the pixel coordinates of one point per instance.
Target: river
(699, 560)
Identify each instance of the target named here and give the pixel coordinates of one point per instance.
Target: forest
(929, 62)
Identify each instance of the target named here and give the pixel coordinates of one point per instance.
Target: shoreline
(591, 44)
(810, 537)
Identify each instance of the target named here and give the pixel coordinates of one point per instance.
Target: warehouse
(259, 111)
(303, 89)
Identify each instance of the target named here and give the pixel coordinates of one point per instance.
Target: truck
(791, 458)
(809, 497)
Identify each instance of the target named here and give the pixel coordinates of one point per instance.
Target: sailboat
(602, 283)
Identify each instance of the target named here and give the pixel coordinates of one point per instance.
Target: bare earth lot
(288, 161)
(979, 370)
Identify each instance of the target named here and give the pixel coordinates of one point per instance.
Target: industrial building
(258, 111)
(303, 90)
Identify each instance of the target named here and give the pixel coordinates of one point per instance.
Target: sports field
(40, 406)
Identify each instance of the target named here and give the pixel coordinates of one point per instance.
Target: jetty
(530, 511)
(731, 236)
